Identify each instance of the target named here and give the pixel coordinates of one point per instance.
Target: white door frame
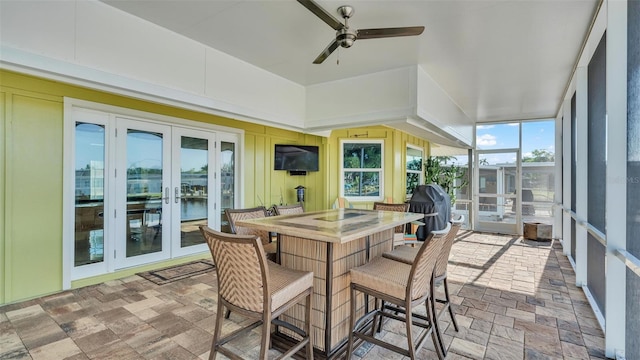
(490, 226)
(176, 180)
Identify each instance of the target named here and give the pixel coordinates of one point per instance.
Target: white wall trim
(147, 116)
(41, 66)
(582, 174)
(557, 196)
(596, 310)
(566, 177)
(616, 192)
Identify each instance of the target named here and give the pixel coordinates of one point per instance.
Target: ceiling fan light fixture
(345, 37)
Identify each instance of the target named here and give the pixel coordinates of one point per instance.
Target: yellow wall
(3, 174)
(259, 147)
(395, 153)
(31, 178)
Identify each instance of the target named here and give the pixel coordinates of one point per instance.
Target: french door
(142, 189)
(192, 185)
(142, 194)
(497, 191)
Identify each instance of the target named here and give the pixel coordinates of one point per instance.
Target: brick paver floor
(514, 299)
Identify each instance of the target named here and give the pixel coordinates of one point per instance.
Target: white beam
(616, 192)
(566, 177)
(581, 175)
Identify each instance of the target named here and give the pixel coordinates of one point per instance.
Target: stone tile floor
(514, 299)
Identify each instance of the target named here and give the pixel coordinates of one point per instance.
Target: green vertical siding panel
(3, 144)
(279, 180)
(35, 197)
(315, 186)
(259, 175)
(248, 163)
(333, 166)
(281, 186)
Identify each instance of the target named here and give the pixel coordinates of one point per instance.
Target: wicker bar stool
(233, 215)
(289, 209)
(398, 236)
(407, 255)
(259, 289)
(402, 285)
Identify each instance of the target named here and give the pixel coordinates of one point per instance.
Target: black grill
(428, 199)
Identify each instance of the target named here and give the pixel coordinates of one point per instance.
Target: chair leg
(307, 327)
(265, 340)
(377, 318)
(216, 332)
(379, 329)
(435, 334)
(408, 323)
(431, 308)
(227, 314)
(446, 294)
(352, 322)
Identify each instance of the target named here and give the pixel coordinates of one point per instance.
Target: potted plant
(443, 171)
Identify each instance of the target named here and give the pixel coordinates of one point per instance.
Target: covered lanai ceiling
(498, 60)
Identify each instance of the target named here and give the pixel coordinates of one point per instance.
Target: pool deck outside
(514, 299)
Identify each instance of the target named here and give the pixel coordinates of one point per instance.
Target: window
(414, 169)
(361, 172)
(538, 170)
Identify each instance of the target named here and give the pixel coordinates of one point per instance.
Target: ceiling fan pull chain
(338, 57)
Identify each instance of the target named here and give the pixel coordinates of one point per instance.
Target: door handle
(177, 195)
(166, 198)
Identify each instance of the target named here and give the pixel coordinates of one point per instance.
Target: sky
(536, 135)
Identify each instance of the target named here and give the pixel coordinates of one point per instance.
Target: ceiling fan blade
(326, 52)
(389, 32)
(322, 14)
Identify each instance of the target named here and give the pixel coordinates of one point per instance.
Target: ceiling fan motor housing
(346, 37)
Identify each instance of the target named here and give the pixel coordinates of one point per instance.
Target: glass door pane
(497, 185)
(144, 192)
(227, 181)
(193, 155)
(89, 193)
(144, 189)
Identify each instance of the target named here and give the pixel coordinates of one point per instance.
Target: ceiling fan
(345, 36)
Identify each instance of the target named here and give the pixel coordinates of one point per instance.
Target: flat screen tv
(296, 158)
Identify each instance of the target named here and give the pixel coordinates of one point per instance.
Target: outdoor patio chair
(259, 289)
(407, 255)
(402, 285)
(233, 215)
(289, 209)
(398, 236)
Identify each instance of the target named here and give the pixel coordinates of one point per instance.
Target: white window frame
(380, 170)
(419, 172)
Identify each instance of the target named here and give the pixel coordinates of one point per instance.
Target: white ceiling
(498, 60)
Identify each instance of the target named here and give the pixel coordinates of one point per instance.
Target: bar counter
(330, 243)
